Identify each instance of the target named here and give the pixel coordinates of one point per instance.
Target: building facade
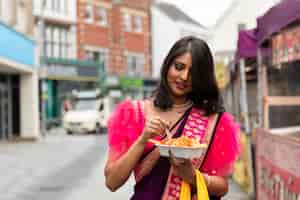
(61, 71)
(239, 15)
(169, 23)
(19, 114)
(117, 34)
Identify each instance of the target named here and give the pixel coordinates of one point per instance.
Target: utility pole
(42, 67)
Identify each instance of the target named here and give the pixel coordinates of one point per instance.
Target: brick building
(118, 34)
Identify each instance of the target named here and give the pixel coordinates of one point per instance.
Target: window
(48, 5)
(138, 24)
(48, 42)
(57, 42)
(57, 5)
(101, 16)
(97, 55)
(127, 22)
(63, 6)
(64, 40)
(88, 13)
(21, 18)
(135, 64)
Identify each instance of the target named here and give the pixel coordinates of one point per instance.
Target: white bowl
(181, 152)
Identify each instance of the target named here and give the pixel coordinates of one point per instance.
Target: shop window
(88, 13)
(138, 24)
(101, 17)
(127, 22)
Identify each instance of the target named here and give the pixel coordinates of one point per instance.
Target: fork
(168, 133)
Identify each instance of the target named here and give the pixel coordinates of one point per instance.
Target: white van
(88, 114)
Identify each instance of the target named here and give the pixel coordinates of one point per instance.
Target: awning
(247, 44)
(276, 18)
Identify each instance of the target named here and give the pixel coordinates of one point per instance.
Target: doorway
(5, 120)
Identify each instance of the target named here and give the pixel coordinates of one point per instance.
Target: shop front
(277, 143)
(19, 115)
(132, 87)
(64, 77)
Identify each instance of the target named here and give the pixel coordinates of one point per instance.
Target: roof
(175, 13)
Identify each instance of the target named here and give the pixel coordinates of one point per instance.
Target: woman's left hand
(183, 168)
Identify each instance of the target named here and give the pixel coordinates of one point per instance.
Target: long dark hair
(205, 93)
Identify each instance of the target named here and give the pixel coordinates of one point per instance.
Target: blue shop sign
(15, 46)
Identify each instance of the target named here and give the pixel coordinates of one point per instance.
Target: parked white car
(87, 116)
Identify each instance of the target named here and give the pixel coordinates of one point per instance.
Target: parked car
(87, 115)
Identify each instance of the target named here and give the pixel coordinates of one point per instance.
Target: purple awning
(276, 18)
(247, 44)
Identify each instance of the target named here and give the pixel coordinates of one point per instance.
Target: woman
(187, 102)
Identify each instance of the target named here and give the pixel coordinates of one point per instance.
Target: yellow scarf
(202, 193)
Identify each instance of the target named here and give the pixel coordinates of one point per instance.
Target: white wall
(226, 33)
(164, 34)
(29, 105)
(191, 29)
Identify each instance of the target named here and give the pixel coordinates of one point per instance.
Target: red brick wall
(114, 37)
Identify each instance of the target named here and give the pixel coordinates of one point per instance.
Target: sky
(206, 12)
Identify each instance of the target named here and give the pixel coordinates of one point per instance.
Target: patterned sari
(154, 175)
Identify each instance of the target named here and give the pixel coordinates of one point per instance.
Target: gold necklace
(181, 108)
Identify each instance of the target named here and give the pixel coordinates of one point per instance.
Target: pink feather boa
(124, 127)
(128, 121)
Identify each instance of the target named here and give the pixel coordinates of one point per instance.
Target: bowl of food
(182, 147)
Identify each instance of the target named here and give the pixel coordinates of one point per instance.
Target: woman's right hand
(154, 127)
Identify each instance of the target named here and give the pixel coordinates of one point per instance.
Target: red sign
(277, 167)
(286, 46)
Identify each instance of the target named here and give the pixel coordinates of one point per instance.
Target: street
(62, 167)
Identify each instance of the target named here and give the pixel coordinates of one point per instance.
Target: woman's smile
(181, 86)
(179, 77)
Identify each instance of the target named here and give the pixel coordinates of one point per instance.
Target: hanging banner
(277, 167)
(286, 46)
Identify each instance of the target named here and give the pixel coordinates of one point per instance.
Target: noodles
(183, 142)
